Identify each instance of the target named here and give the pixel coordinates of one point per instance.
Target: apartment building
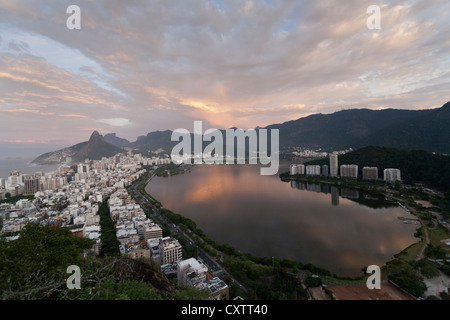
(391, 175)
(349, 171)
(370, 173)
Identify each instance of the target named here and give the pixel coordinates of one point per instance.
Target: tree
(192, 251)
(313, 282)
(7, 195)
(436, 252)
(35, 267)
(36, 262)
(166, 232)
(110, 244)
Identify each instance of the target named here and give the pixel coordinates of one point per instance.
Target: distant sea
(23, 165)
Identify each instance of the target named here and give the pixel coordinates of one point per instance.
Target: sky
(141, 66)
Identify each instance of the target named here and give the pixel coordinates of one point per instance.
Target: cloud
(117, 122)
(73, 116)
(164, 64)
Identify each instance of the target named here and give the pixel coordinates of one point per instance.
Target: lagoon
(262, 215)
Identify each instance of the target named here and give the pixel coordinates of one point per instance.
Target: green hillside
(34, 267)
(416, 166)
(430, 131)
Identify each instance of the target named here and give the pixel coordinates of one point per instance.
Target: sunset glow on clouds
(136, 66)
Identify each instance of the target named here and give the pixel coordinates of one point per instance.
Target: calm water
(267, 217)
(23, 165)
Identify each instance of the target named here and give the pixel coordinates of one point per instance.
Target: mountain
(403, 129)
(116, 141)
(416, 166)
(154, 141)
(344, 129)
(160, 142)
(94, 149)
(429, 131)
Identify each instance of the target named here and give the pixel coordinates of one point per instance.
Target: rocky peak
(95, 136)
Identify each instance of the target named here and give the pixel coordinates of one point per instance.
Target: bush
(311, 282)
(428, 268)
(252, 274)
(425, 216)
(419, 233)
(445, 269)
(436, 252)
(411, 285)
(35, 264)
(406, 277)
(316, 270)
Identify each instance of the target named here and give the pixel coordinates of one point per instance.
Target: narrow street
(421, 254)
(427, 240)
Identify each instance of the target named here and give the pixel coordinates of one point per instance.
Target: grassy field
(411, 253)
(437, 234)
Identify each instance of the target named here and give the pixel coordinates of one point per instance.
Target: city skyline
(133, 69)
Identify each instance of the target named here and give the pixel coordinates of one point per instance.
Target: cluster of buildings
(71, 197)
(141, 238)
(19, 183)
(308, 153)
(348, 171)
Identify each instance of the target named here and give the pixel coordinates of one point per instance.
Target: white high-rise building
(313, 170)
(294, 169)
(297, 169)
(349, 171)
(333, 165)
(392, 175)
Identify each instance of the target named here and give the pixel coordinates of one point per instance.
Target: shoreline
(389, 270)
(357, 278)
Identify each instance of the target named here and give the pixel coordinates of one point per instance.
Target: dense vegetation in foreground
(35, 267)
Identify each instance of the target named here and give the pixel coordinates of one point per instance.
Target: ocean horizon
(24, 165)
